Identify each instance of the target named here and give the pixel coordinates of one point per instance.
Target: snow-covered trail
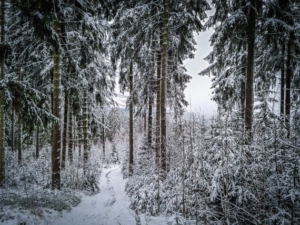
(109, 207)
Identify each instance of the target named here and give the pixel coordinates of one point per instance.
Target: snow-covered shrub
(28, 184)
(214, 178)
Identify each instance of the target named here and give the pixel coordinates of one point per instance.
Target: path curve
(109, 207)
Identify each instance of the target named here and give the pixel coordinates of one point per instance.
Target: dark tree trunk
(150, 102)
(56, 112)
(37, 143)
(70, 135)
(19, 138)
(288, 87)
(19, 131)
(103, 133)
(282, 83)
(157, 124)
(163, 87)
(12, 127)
(79, 134)
(145, 121)
(243, 90)
(131, 122)
(250, 73)
(2, 153)
(64, 144)
(85, 133)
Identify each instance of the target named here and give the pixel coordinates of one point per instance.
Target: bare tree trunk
(288, 88)
(79, 135)
(163, 87)
(150, 102)
(20, 131)
(282, 83)
(37, 142)
(2, 124)
(131, 122)
(145, 121)
(250, 73)
(12, 148)
(243, 92)
(157, 124)
(64, 138)
(19, 138)
(103, 133)
(56, 112)
(70, 139)
(85, 133)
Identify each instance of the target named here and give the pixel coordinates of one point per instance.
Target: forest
(61, 126)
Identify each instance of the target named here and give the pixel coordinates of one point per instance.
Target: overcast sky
(199, 90)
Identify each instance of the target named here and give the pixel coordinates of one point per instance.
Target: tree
(2, 58)
(155, 30)
(163, 86)
(250, 71)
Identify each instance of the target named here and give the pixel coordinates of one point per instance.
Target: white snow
(109, 207)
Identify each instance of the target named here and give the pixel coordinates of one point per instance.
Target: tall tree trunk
(145, 121)
(20, 131)
(131, 122)
(19, 138)
(103, 133)
(37, 143)
(79, 134)
(243, 91)
(282, 83)
(158, 110)
(163, 87)
(150, 102)
(70, 125)
(250, 73)
(288, 87)
(12, 127)
(2, 57)
(56, 112)
(64, 137)
(85, 133)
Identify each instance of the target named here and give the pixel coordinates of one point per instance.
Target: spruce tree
(2, 124)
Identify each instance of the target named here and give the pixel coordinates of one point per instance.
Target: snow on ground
(109, 207)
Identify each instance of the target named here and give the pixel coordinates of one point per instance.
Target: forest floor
(108, 207)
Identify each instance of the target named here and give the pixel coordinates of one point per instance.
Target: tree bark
(157, 124)
(2, 151)
(37, 143)
(163, 87)
(64, 138)
(131, 122)
(19, 138)
(56, 112)
(12, 127)
(85, 133)
(145, 121)
(282, 83)
(288, 88)
(250, 73)
(150, 102)
(70, 139)
(243, 92)
(20, 131)
(103, 133)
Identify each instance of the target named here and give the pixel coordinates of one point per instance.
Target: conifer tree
(2, 124)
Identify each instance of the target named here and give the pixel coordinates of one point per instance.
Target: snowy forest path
(109, 207)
